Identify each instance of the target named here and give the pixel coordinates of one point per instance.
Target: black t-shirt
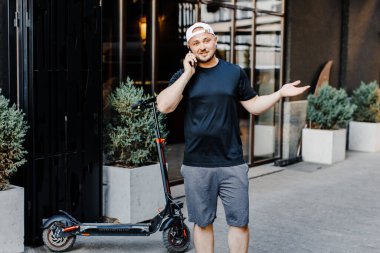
(211, 100)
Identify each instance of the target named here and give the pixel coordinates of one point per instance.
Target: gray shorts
(204, 185)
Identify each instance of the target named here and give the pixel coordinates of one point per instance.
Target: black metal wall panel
(313, 37)
(346, 32)
(363, 45)
(65, 112)
(4, 48)
(8, 50)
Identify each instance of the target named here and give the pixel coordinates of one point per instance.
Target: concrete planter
(132, 195)
(12, 220)
(364, 136)
(323, 146)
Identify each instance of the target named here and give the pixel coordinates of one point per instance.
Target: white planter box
(132, 195)
(264, 140)
(323, 146)
(12, 220)
(364, 136)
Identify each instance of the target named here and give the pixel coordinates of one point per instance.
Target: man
(213, 159)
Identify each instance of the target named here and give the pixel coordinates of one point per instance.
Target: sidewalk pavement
(300, 208)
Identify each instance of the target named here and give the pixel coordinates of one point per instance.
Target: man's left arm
(260, 104)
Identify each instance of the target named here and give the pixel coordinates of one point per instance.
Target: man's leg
(238, 239)
(233, 191)
(204, 239)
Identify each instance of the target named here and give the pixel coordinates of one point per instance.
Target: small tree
(13, 129)
(367, 100)
(330, 109)
(129, 135)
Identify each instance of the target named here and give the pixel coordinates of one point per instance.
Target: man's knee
(243, 229)
(204, 228)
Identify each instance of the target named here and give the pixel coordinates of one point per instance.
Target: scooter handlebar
(142, 104)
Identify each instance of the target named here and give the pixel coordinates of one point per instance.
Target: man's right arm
(169, 98)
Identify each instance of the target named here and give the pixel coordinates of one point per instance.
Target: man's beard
(207, 59)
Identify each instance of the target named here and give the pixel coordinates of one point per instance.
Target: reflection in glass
(268, 63)
(243, 44)
(245, 3)
(124, 44)
(269, 5)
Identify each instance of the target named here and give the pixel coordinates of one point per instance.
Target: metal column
(253, 77)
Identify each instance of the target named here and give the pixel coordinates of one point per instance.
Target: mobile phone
(193, 64)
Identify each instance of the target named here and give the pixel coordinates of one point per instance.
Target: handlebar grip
(136, 105)
(143, 103)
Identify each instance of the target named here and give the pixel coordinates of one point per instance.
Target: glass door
(268, 54)
(243, 57)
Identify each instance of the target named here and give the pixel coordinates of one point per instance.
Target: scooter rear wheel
(54, 243)
(176, 239)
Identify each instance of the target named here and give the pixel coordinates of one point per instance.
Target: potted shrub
(328, 114)
(133, 189)
(364, 130)
(12, 134)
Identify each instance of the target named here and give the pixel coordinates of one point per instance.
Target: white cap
(190, 33)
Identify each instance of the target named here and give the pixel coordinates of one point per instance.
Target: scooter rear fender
(58, 217)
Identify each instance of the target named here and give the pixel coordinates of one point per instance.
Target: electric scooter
(60, 231)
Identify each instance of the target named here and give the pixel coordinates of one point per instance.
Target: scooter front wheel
(176, 239)
(56, 243)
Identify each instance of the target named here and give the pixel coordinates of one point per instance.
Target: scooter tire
(176, 240)
(57, 244)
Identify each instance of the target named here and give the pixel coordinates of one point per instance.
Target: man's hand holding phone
(190, 63)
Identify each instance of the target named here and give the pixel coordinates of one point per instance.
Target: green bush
(330, 109)
(13, 129)
(129, 135)
(367, 100)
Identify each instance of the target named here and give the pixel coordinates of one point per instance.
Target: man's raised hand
(291, 89)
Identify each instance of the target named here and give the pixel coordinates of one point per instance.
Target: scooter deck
(114, 224)
(114, 229)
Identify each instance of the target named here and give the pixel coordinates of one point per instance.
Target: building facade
(59, 60)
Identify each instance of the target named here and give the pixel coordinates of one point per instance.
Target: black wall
(346, 32)
(7, 50)
(363, 45)
(60, 92)
(60, 75)
(313, 37)
(4, 47)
